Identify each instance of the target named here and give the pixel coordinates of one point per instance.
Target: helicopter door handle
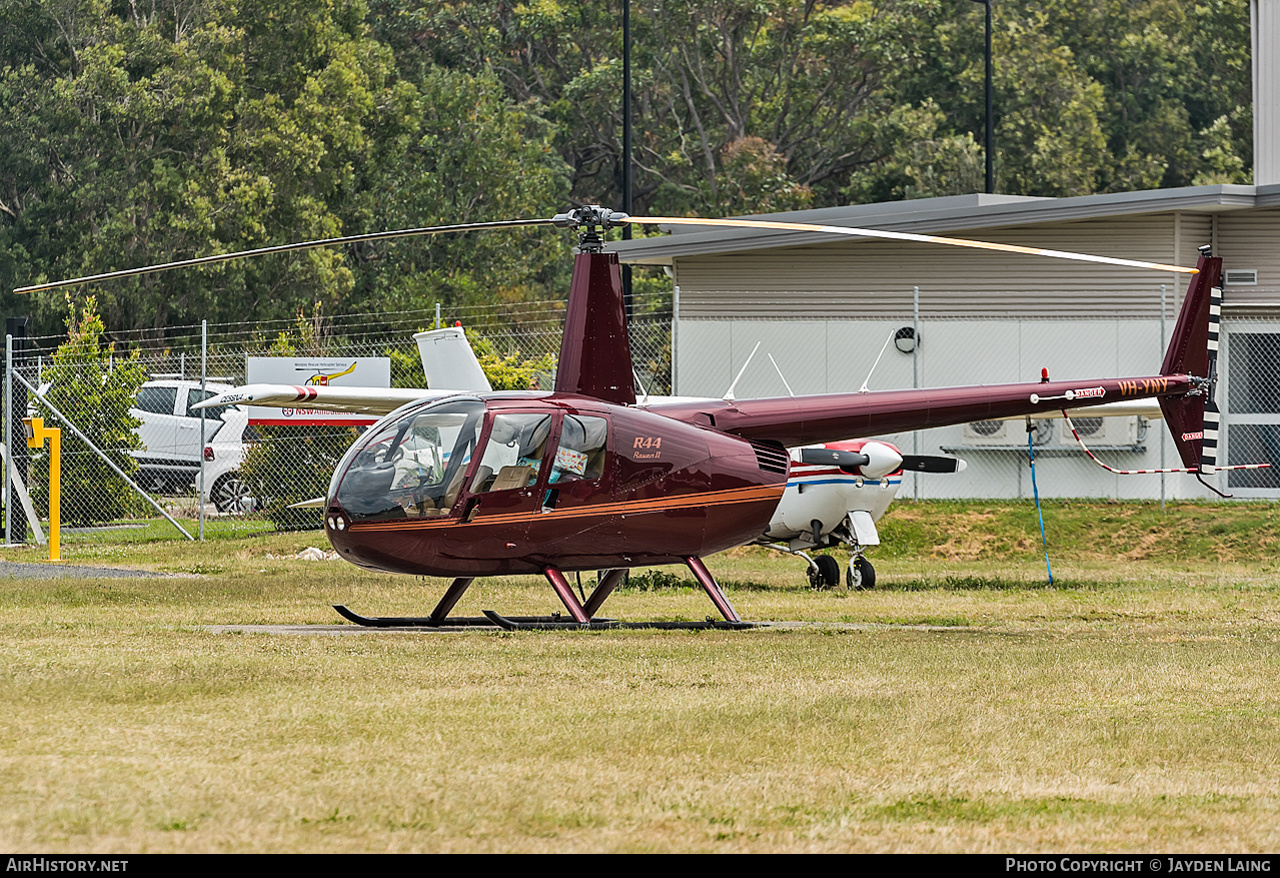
(549, 499)
(469, 511)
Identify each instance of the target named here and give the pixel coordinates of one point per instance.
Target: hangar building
(823, 308)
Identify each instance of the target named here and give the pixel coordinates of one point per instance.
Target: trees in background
(134, 132)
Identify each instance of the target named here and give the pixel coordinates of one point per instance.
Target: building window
(1253, 407)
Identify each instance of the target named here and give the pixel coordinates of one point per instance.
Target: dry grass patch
(972, 708)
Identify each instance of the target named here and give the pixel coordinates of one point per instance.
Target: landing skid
(430, 622)
(524, 624)
(554, 622)
(581, 614)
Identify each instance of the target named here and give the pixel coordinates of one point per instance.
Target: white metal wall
(821, 356)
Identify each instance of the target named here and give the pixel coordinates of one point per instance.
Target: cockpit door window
(581, 452)
(513, 456)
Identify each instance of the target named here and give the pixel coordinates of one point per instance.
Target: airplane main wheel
(861, 575)
(827, 574)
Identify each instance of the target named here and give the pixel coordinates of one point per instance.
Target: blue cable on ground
(1031, 453)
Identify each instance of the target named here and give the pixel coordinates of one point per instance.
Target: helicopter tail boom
(1182, 387)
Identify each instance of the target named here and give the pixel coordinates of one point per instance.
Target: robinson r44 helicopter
(836, 491)
(581, 478)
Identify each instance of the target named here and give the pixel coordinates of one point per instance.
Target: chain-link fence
(238, 470)
(819, 356)
(134, 447)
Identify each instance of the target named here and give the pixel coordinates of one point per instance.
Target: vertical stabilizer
(595, 353)
(449, 362)
(1193, 419)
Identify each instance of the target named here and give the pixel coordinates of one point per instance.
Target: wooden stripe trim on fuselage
(753, 493)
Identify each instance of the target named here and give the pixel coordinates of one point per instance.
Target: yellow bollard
(37, 432)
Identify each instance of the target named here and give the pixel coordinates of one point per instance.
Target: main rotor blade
(283, 248)
(905, 236)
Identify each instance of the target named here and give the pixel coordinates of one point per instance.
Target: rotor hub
(590, 220)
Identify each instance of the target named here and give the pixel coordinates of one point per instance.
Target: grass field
(964, 705)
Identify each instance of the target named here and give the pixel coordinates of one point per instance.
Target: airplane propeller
(878, 459)
(932, 463)
(831, 457)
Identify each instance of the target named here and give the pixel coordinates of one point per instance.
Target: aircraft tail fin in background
(1194, 420)
(449, 362)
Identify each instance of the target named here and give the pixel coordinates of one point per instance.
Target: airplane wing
(447, 361)
(360, 400)
(1125, 408)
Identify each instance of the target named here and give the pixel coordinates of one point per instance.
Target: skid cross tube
(712, 588)
(608, 582)
(451, 597)
(565, 592)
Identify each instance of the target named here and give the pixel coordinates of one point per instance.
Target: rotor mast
(595, 350)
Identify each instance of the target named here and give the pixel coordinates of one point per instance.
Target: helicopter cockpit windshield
(413, 466)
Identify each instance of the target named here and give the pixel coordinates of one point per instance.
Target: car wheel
(230, 494)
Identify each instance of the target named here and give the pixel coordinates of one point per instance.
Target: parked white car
(173, 446)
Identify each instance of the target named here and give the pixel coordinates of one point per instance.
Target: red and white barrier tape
(1134, 472)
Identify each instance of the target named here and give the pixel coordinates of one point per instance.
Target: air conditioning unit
(1105, 431)
(1006, 433)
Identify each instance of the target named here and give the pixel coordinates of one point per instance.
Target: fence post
(915, 377)
(675, 334)
(204, 373)
(16, 404)
(1162, 431)
(8, 440)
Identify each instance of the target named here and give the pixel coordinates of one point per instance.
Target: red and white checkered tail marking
(1212, 417)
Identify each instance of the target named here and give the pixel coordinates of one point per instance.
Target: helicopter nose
(336, 519)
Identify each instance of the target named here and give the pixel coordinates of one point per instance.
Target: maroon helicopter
(580, 478)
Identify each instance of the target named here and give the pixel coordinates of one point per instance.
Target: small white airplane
(835, 495)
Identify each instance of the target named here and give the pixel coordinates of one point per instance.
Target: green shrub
(96, 389)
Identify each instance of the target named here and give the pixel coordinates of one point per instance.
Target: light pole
(989, 147)
(626, 147)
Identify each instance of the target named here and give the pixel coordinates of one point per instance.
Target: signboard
(304, 372)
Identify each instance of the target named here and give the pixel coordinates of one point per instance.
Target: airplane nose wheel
(825, 572)
(860, 575)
